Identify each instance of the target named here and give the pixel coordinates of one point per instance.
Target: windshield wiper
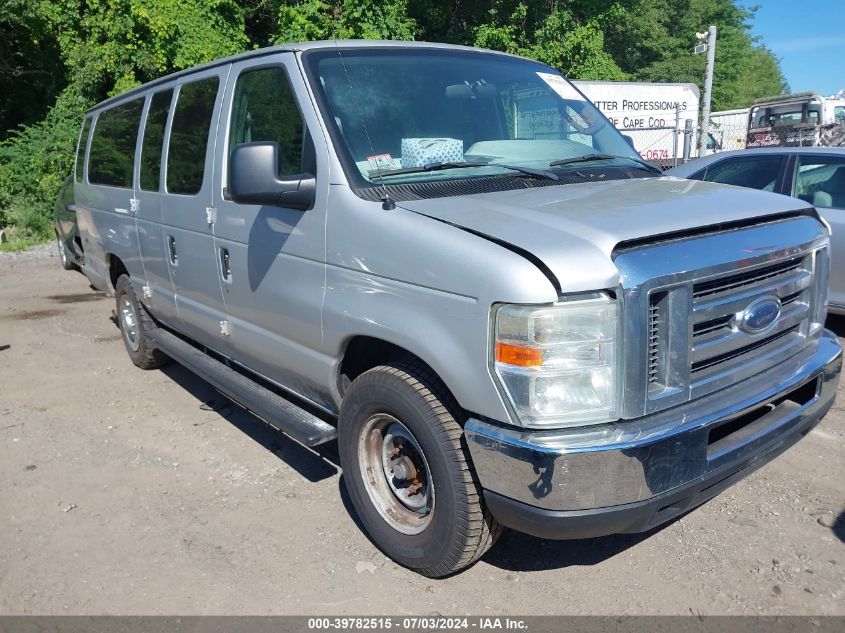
(591, 157)
(541, 173)
(374, 173)
(530, 171)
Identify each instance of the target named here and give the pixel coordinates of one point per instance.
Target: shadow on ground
(839, 526)
(513, 552)
(520, 552)
(313, 464)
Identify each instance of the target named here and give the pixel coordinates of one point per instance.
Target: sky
(809, 42)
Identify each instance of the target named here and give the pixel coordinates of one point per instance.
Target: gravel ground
(131, 492)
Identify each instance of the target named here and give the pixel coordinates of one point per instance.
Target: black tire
(460, 529)
(64, 257)
(143, 352)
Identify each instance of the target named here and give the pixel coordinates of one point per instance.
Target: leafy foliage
(346, 19)
(58, 57)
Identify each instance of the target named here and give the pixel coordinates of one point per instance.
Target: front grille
(690, 316)
(710, 362)
(654, 354)
(745, 279)
(718, 341)
(713, 325)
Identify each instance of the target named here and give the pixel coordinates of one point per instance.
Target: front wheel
(407, 473)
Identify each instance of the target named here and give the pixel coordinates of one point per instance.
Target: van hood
(573, 229)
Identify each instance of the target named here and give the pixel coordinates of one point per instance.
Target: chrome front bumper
(635, 474)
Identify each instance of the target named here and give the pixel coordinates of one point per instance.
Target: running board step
(278, 412)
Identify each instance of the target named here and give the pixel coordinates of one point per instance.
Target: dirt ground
(132, 492)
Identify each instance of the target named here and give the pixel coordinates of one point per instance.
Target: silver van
(502, 314)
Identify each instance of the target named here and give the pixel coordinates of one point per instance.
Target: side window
(66, 193)
(756, 172)
(153, 139)
(80, 148)
(264, 109)
(189, 136)
(112, 154)
(821, 181)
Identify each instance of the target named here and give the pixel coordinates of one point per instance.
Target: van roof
(294, 47)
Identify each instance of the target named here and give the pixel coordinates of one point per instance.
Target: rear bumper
(635, 475)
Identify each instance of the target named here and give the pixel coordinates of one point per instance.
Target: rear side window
(112, 154)
(153, 139)
(189, 136)
(80, 148)
(264, 109)
(821, 181)
(755, 172)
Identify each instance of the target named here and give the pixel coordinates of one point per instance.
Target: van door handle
(171, 245)
(225, 268)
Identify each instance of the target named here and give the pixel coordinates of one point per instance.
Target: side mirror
(70, 207)
(253, 179)
(629, 140)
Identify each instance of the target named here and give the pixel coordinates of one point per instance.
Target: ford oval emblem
(760, 315)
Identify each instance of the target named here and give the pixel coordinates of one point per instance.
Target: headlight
(559, 365)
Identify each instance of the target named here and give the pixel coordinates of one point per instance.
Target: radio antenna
(387, 202)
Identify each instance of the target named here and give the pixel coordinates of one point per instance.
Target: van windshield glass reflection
(396, 110)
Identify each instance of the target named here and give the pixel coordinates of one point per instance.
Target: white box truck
(646, 112)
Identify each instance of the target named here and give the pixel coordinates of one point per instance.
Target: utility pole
(709, 44)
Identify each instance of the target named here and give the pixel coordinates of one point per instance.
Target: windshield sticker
(383, 161)
(560, 86)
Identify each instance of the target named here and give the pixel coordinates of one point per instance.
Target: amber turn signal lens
(520, 356)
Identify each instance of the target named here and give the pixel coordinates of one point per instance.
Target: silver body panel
(425, 275)
(574, 229)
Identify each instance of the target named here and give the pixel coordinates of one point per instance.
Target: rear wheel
(407, 472)
(64, 256)
(134, 323)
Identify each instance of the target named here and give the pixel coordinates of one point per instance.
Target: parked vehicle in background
(730, 128)
(66, 229)
(815, 175)
(801, 119)
(502, 323)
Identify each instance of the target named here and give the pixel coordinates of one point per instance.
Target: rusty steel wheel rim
(396, 474)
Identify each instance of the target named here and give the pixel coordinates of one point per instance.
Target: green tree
(564, 35)
(345, 19)
(653, 39)
(28, 60)
(106, 47)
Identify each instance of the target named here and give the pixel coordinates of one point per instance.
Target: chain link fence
(670, 146)
(667, 146)
(727, 137)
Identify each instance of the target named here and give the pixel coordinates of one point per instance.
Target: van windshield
(398, 112)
